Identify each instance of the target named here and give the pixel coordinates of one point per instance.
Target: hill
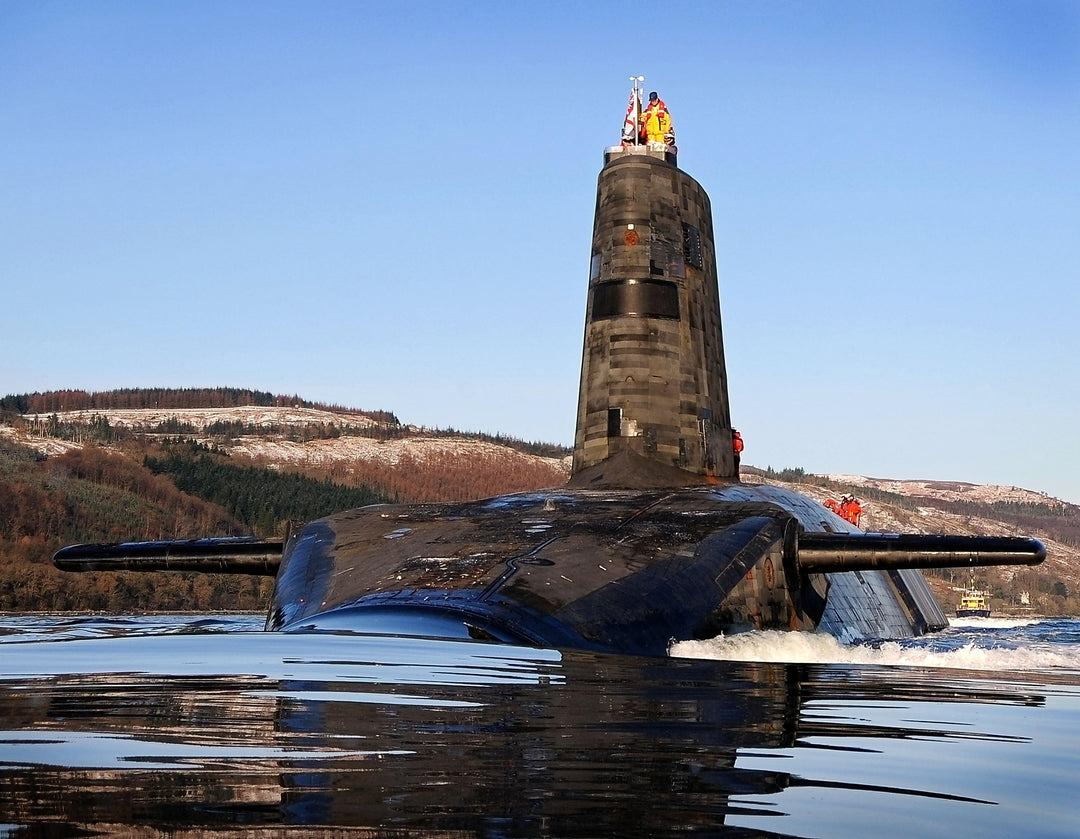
(953, 507)
(121, 466)
(116, 470)
(90, 495)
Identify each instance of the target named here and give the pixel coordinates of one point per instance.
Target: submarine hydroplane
(655, 538)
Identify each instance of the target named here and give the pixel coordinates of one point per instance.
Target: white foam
(993, 623)
(821, 648)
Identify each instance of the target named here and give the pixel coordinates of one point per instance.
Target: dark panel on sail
(644, 298)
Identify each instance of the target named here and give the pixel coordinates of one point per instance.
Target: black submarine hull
(628, 571)
(609, 570)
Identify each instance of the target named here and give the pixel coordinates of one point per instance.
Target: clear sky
(389, 205)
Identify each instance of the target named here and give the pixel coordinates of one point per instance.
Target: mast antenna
(636, 94)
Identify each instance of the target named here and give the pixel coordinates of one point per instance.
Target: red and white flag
(630, 124)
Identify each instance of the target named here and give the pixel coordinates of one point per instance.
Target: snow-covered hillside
(276, 450)
(949, 490)
(283, 453)
(201, 418)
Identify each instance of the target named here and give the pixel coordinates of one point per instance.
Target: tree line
(262, 499)
(56, 401)
(49, 404)
(93, 496)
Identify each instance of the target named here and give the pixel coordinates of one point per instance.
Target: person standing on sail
(737, 447)
(656, 121)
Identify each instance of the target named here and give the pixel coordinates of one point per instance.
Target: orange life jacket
(656, 121)
(851, 511)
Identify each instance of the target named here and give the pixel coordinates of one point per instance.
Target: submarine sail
(653, 378)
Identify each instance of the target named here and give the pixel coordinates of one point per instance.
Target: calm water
(180, 726)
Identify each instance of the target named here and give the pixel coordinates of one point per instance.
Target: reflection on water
(166, 725)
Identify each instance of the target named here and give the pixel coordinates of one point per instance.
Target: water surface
(207, 726)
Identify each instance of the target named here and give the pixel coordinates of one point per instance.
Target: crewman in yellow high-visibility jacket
(656, 121)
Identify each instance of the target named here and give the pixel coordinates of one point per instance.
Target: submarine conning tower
(653, 381)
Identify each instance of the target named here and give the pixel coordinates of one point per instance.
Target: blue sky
(390, 206)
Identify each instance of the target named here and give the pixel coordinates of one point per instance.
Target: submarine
(654, 539)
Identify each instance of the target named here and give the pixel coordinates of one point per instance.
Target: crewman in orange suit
(851, 509)
(656, 121)
(736, 448)
(848, 508)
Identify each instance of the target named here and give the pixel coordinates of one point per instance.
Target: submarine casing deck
(614, 570)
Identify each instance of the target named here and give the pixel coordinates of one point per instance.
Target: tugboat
(974, 603)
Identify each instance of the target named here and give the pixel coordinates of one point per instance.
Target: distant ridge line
(54, 401)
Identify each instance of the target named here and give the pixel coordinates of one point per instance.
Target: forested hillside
(91, 495)
(195, 474)
(259, 498)
(59, 401)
